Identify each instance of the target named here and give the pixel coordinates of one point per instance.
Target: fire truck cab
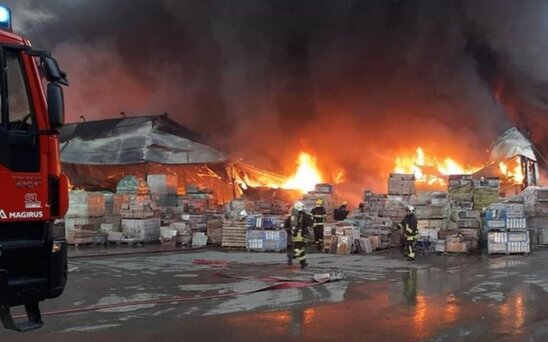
(33, 190)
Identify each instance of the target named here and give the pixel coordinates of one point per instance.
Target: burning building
(96, 155)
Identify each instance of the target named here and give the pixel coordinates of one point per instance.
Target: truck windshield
(19, 147)
(19, 109)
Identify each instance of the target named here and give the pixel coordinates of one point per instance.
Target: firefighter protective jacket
(297, 224)
(409, 226)
(319, 215)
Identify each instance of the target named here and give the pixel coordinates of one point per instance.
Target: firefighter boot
(411, 252)
(303, 264)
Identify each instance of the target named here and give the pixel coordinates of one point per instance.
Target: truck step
(33, 315)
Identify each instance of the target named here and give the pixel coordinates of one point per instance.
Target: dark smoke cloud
(356, 82)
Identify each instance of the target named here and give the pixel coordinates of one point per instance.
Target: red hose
(276, 286)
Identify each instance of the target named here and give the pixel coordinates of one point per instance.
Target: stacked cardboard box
(138, 207)
(373, 203)
(339, 237)
(163, 189)
(141, 230)
(431, 210)
(162, 184)
(456, 244)
(109, 227)
(483, 197)
(197, 200)
(502, 216)
(196, 222)
(184, 233)
(85, 204)
(168, 237)
(325, 192)
(170, 215)
(266, 233)
(461, 192)
(508, 242)
(344, 245)
(234, 208)
(113, 207)
(199, 239)
(140, 218)
(507, 226)
(86, 209)
(114, 203)
(401, 184)
(535, 206)
(486, 192)
(377, 229)
(215, 230)
(469, 227)
(394, 209)
(266, 240)
(365, 245)
(81, 234)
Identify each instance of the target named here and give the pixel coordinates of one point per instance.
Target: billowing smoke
(355, 82)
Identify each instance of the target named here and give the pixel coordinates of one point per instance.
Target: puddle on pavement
(420, 306)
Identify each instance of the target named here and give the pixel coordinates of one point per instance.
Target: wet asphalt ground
(181, 297)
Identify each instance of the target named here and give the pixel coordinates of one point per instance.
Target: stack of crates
(507, 229)
(265, 234)
(508, 242)
(266, 240)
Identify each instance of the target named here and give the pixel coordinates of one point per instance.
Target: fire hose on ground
(279, 283)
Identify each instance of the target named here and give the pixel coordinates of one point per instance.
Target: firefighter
(319, 215)
(341, 212)
(410, 232)
(297, 228)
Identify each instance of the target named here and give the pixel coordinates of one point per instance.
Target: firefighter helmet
(319, 202)
(299, 206)
(345, 203)
(410, 209)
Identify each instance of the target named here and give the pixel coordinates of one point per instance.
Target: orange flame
(429, 169)
(307, 175)
(515, 174)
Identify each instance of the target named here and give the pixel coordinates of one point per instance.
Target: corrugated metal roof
(134, 140)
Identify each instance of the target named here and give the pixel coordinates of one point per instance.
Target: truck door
(19, 150)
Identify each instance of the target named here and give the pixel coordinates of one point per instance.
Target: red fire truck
(33, 191)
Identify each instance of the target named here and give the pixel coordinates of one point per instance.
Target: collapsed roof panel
(510, 144)
(154, 139)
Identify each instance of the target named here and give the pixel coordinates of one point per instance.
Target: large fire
(304, 179)
(306, 176)
(515, 173)
(429, 169)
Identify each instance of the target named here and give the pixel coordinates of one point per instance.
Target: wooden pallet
(234, 235)
(215, 235)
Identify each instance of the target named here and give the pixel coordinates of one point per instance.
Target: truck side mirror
(56, 107)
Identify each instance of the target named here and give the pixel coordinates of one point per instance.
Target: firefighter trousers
(318, 236)
(410, 248)
(296, 250)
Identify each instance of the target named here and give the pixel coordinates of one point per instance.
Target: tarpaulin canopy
(134, 140)
(95, 155)
(510, 144)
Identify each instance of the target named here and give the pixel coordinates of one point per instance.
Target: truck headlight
(56, 247)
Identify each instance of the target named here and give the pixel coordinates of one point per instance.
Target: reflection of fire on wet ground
(411, 304)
